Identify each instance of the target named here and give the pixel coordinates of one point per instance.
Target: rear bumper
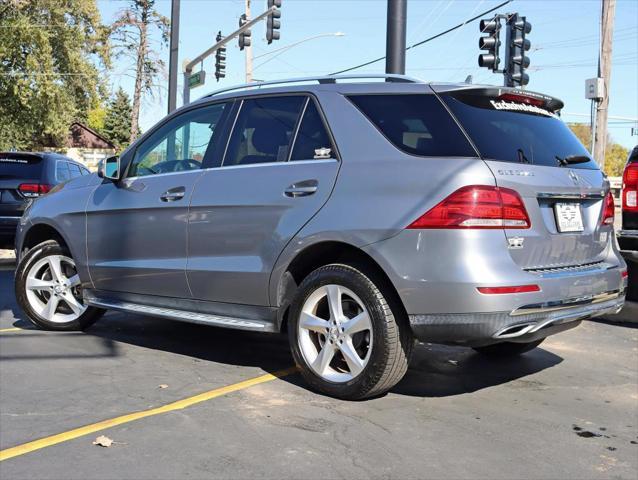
(436, 274)
(526, 324)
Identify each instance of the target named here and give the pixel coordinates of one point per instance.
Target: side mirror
(110, 168)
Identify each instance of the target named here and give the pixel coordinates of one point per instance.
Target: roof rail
(322, 80)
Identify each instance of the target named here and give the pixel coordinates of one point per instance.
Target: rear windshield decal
(520, 107)
(13, 160)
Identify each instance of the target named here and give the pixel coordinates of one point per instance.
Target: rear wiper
(572, 159)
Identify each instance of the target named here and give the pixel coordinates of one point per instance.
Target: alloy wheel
(335, 333)
(53, 289)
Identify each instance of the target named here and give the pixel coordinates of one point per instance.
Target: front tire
(345, 337)
(507, 349)
(48, 290)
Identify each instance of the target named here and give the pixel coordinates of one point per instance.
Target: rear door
(279, 169)
(529, 149)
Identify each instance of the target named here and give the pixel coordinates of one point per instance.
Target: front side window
(415, 123)
(263, 130)
(180, 145)
(312, 140)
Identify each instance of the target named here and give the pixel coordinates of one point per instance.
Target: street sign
(197, 79)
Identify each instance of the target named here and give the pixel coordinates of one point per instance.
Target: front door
(137, 227)
(279, 169)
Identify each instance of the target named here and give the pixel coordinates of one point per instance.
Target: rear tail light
(31, 190)
(630, 188)
(609, 210)
(624, 274)
(477, 206)
(515, 289)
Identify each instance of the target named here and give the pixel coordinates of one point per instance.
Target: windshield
(14, 166)
(519, 133)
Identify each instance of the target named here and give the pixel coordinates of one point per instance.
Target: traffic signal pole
(172, 63)
(188, 68)
(395, 36)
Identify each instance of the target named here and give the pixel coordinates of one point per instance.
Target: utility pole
(174, 48)
(249, 51)
(395, 36)
(604, 72)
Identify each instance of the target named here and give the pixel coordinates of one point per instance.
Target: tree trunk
(139, 75)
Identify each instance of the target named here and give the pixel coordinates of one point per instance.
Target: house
(87, 146)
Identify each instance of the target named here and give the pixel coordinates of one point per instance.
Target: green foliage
(117, 122)
(49, 52)
(95, 118)
(615, 154)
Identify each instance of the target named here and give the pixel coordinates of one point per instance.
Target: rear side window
(417, 124)
(263, 130)
(514, 132)
(312, 141)
(15, 166)
(62, 173)
(75, 170)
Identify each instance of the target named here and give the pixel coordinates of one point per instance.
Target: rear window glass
(25, 167)
(417, 124)
(532, 136)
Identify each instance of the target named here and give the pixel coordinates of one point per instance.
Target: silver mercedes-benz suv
(357, 214)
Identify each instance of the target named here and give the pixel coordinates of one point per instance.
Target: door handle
(173, 194)
(302, 189)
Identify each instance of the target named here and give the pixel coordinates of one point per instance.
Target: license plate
(568, 217)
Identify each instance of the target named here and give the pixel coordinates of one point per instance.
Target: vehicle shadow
(435, 370)
(442, 371)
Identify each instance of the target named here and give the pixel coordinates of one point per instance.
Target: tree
(117, 121)
(49, 57)
(131, 36)
(615, 154)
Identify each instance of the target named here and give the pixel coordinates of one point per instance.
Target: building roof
(81, 136)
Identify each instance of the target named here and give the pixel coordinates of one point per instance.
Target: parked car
(356, 216)
(628, 236)
(25, 176)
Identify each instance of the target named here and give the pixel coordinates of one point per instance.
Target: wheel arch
(41, 232)
(325, 253)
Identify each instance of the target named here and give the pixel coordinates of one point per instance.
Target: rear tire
(345, 337)
(507, 349)
(48, 290)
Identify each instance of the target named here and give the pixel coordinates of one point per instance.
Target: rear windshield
(20, 166)
(529, 135)
(416, 124)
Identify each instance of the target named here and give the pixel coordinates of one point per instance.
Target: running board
(182, 315)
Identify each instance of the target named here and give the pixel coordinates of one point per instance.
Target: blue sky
(564, 50)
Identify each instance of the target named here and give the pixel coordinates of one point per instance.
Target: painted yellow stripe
(14, 329)
(131, 417)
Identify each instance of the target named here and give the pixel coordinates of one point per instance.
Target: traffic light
(517, 62)
(273, 24)
(491, 43)
(220, 59)
(244, 37)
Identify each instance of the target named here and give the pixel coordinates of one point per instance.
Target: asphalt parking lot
(567, 410)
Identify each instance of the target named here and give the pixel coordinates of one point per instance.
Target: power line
(462, 24)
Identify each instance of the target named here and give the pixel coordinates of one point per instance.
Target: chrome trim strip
(572, 196)
(565, 304)
(627, 233)
(10, 218)
(181, 315)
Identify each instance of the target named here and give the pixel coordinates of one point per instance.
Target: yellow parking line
(14, 329)
(131, 417)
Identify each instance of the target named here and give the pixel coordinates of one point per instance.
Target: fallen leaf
(103, 441)
(163, 385)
